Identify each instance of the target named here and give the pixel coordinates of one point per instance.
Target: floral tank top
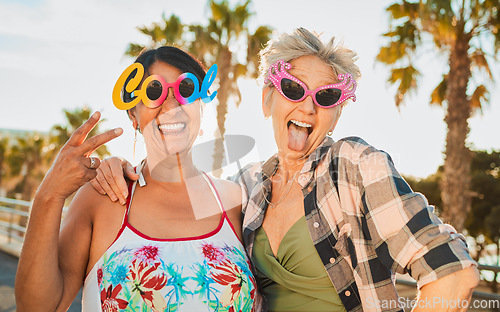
(204, 273)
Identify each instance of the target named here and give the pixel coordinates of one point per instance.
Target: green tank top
(294, 280)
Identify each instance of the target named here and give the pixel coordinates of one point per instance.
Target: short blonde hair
(301, 42)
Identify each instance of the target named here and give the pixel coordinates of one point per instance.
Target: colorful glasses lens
(295, 92)
(154, 90)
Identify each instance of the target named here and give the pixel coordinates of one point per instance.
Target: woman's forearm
(39, 281)
(449, 293)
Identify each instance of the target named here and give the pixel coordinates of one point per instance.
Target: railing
(11, 213)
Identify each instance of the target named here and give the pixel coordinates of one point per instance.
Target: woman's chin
(174, 148)
(175, 143)
(167, 150)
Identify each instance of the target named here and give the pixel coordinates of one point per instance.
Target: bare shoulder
(90, 205)
(229, 192)
(95, 216)
(84, 202)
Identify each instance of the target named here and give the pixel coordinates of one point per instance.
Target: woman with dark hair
(175, 246)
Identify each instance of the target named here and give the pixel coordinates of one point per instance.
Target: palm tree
(467, 32)
(215, 43)
(61, 133)
(29, 160)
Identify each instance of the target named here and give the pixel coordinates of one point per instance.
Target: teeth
(301, 124)
(172, 126)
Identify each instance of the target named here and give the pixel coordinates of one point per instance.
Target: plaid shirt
(364, 220)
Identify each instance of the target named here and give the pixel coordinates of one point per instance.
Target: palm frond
(155, 32)
(134, 49)
(479, 98)
(219, 10)
(239, 70)
(240, 17)
(479, 61)
(255, 42)
(203, 45)
(214, 29)
(403, 10)
(173, 29)
(406, 79)
(391, 54)
(439, 94)
(438, 19)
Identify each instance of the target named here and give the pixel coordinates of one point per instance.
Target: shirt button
(332, 260)
(347, 293)
(316, 224)
(303, 178)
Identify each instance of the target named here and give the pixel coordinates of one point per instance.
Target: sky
(59, 54)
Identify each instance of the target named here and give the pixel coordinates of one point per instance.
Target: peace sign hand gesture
(73, 166)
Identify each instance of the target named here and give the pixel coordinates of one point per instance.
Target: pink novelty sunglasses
(296, 91)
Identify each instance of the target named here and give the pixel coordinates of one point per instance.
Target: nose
(170, 102)
(307, 105)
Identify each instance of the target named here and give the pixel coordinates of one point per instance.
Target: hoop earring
(267, 117)
(330, 133)
(200, 133)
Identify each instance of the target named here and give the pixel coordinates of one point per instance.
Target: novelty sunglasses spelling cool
(155, 89)
(296, 91)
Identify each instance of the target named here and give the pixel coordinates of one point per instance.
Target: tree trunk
(222, 96)
(456, 180)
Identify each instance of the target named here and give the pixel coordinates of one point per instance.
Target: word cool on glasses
(141, 94)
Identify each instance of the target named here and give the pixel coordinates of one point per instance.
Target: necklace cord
(288, 191)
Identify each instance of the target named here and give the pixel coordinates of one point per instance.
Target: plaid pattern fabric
(364, 220)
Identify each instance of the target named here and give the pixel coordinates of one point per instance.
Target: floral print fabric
(137, 274)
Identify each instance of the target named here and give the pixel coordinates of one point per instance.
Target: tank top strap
(214, 192)
(131, 186)
(125, 215)
(131, 189)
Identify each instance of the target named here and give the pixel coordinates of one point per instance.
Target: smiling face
(171, 128)
(300, 127)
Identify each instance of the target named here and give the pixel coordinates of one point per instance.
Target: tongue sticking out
(297, 137)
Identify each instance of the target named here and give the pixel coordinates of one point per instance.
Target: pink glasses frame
(278, 71)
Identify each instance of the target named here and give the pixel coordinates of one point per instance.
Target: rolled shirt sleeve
(407, 235)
